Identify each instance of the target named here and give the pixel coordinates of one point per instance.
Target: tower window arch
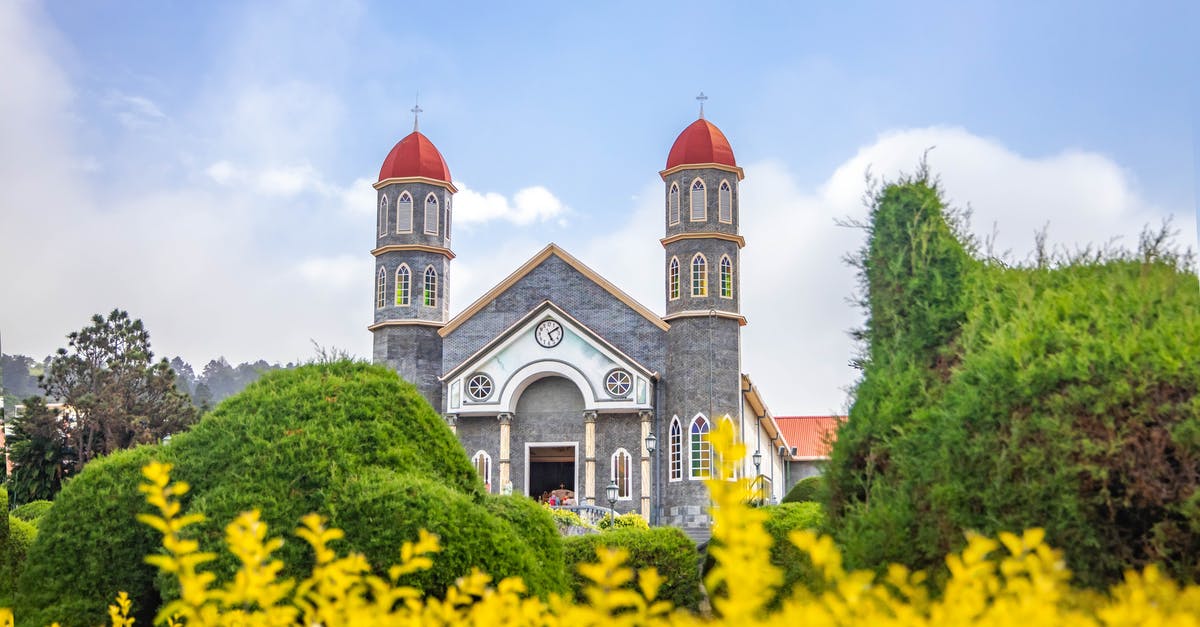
(673, 204)
(699, 276)
(697, 200)
(403, 285)
(726, 277)
(447, 221)
(673, 278)
(725, 203)
(431, 285)
(622, 465)
(431, 214)
(383, 215)
(381, 289)
(675, 450)
(700, 448)
(404, 213)
(483, 465)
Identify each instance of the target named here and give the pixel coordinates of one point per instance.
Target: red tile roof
(811, 436)
(700, 143)
(414, 156)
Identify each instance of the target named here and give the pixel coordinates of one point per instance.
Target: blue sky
(206, 165)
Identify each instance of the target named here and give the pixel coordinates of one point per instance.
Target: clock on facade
(549, 333)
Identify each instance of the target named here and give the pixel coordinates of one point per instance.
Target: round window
(479, 387)
(618, 383)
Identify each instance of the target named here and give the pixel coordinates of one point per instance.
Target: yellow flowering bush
(1011, 580)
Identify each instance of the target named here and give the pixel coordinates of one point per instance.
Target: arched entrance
(547, 429)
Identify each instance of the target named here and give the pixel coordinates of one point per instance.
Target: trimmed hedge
(15, 537)
(32, 511)
(797, 568)
(666, 548)
(805, 490)
(348, 440)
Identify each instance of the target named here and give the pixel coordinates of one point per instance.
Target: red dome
(413, 156)
(701, 142)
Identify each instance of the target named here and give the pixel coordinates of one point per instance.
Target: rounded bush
(624, 521)
(666, 548)
(805, 490)
(32, 511)
(12, 556)
(347, 440)
(797, 568)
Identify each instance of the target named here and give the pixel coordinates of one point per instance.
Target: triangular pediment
(547, 252)
(548, 342)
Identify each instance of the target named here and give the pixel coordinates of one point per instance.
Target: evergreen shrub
(630, 520)
(666, 548)
(805, 490)
(794, 563)
(1063, 393)
(32, 511)
(347, 440)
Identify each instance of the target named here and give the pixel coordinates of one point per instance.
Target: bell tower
(703, 296)
(412, 261)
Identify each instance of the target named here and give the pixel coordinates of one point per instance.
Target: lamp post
(611, 493)
(757, 457)
(651, 444)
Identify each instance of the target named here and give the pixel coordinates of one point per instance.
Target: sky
(207, 166)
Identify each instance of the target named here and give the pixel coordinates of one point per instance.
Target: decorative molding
(707, 313)
(416, 179)
(405, 323)
(452, 420)
(505, 418)
(702, 166)
(551, 249)
(736, 239)
(395, 248)
(589, 417)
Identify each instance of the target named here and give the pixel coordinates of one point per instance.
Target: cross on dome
(701, 98)
(416, 111)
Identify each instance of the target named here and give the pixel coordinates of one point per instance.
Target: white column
(646, 474)
(589, 457)
(452, 422)
(505, 448)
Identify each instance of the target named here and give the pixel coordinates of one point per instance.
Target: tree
(118, 397)
(38, 449)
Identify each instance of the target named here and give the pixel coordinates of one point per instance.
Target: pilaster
(646, 474)
(505, 420)
(589, 456)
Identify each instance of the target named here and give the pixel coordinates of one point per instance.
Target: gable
(516, 358)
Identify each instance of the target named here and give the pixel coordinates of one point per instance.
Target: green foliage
(666, 548)
(347, 440)
(630, 520)
(805, 490)
(41, 456)
(32, 511)
(795, 564)
(565, 518)
(1063, 395)
(15, 537)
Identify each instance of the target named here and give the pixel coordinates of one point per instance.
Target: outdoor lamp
(651, 443)
(611, 493)
(757, 457)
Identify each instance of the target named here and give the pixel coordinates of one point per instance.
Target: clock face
(549, 333)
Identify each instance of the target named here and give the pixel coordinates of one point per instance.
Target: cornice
(416, 179)
(406, 323)
(703, 166)
(705, 314)
(394, 248)
(736, 239)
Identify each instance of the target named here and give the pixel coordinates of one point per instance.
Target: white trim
(728, 206)
(673, 207)
(425, 287)
(674, 289)
(675, 422)
(399, 198)
(574, 445)
(691, 474)
(692, 201)
(486, 476)
(436, 214)
(381, 288)
(407, 288)
(721, 277)
(511, 390)
(692, 276)
(382, 217)
(612, 473)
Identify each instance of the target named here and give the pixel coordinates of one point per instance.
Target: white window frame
(401, 200)
(447, 217)
(381, 289)
(625, 486)
(673, 204)
(675, 451)
(404, 271)
(703, 282)
(725, 202)
(383, 215)
(703, 201)
(674, 289)
(486, 475)
(702, 472)
(429, 296)
(725, 271)
(432, 201)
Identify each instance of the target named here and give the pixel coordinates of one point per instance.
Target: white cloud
(529, 205)
(135, 112)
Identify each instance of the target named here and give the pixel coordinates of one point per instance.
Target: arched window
(447, 221)
(699, 276)
(430, 287)
(725, 202)
(483, 465)
(726, 277)
(675, 449)
(700, 448)
(431, 214)
(383, 216)
(381, 289)
(404, 213)
(699, 212)
(622, 464)
(673, 204)
(403, 285)
(674, 277)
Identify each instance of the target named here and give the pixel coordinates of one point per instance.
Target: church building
(557, 378)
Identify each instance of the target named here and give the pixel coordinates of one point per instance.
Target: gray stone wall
(712, 178)
(579, 296)
(713, 250)
(415, 352)
(549, 410)
(419, 192)
(614, 431)
(417, 262)
(481, 433)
